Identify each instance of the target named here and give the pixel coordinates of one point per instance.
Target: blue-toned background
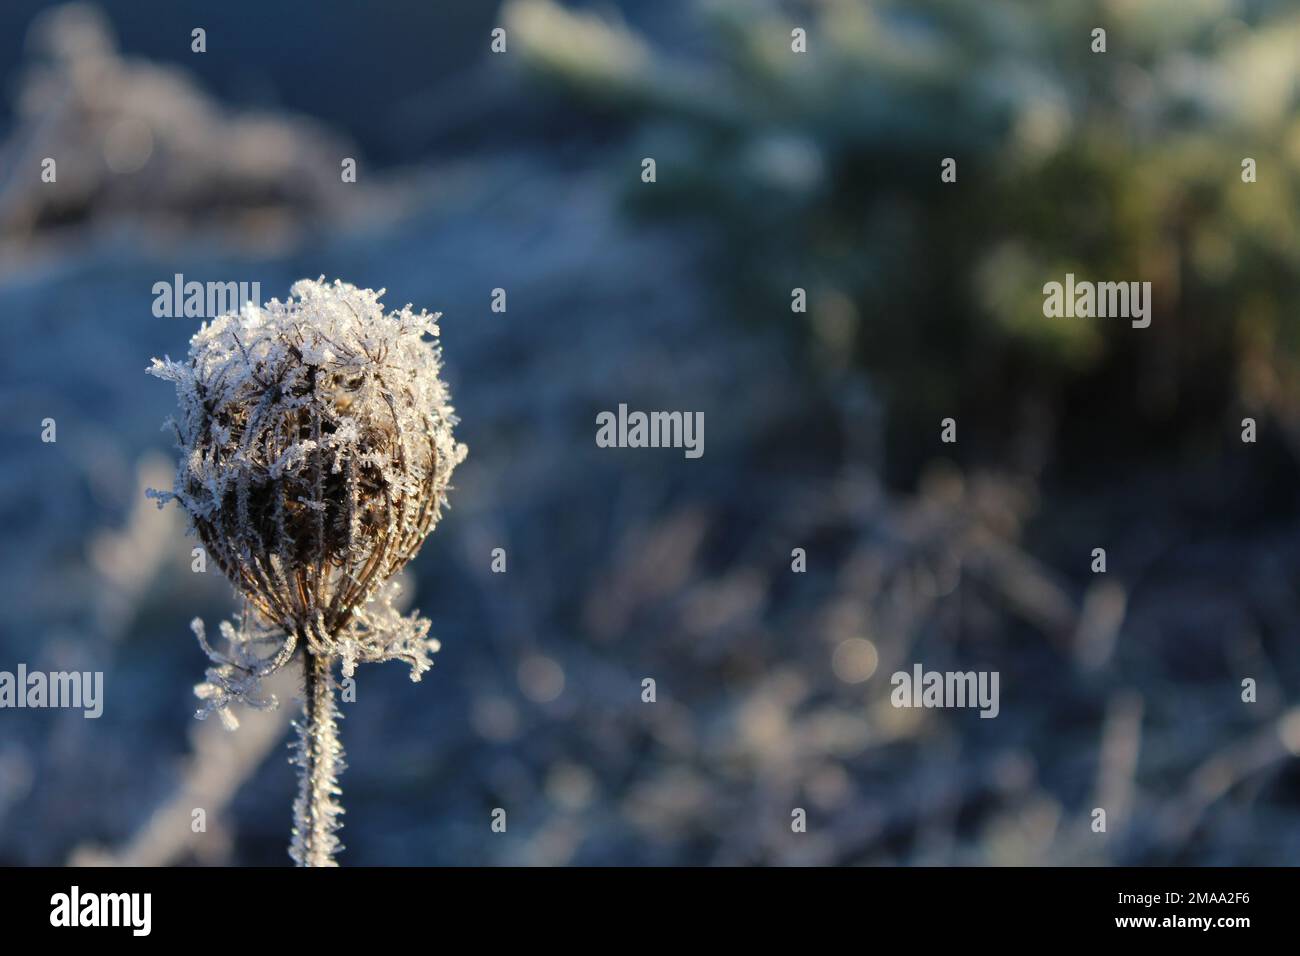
(775, 170)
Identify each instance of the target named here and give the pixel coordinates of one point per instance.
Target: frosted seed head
(316, 450)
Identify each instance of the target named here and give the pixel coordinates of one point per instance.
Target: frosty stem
(320, 759)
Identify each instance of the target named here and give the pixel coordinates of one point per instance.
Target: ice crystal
(318, 754)
(316, 450)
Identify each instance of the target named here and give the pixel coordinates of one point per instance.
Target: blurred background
(775, 170)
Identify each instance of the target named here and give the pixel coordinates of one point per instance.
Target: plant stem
(320, 760)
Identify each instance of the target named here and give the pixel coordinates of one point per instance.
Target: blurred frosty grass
(821, 170)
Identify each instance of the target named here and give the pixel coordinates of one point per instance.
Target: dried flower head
(317, 447)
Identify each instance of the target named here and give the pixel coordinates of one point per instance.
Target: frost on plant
(316, 450)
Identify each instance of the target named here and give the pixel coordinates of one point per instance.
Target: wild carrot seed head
(317, 447)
